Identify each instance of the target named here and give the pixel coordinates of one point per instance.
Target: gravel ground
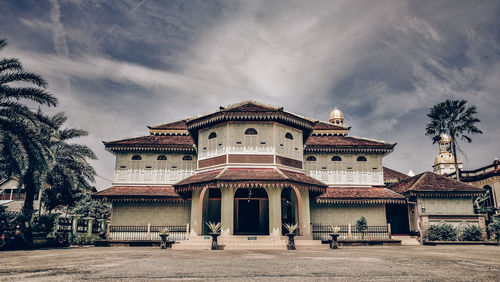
(479, 263)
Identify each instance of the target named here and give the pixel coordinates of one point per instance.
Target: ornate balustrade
(150, 176)
(222, 150)
(348, 177)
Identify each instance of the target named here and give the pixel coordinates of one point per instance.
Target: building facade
(252, 167)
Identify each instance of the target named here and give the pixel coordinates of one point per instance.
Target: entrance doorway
(289, 208)
(251, 207)
(397, 216)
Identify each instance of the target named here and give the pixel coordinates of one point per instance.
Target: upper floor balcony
(150, 176)
(348, 177)
(223, 150)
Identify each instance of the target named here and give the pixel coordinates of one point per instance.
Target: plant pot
(334, 244)
(163, 244)
(215, 245)
(291, 241)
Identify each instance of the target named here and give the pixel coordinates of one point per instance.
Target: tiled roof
(433, 183)
(154, 141)
(157, 192)
(345, 142)
(257, 175)
(360, 194)
(392, 176)
(321, 125)
(176, 125)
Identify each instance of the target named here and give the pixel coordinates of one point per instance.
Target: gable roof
(432, 183)
(393, 176)
(181, 143)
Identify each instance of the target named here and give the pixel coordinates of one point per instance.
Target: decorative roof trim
(444, 194)
(360, 201)
(140, 199)
(168, 132)
(249, 184)
(353, 148)
(150, 148)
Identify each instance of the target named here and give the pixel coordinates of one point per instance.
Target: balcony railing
(222, 150)
(348, 177)
(151, 176)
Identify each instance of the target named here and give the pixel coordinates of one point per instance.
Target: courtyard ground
(415, 263)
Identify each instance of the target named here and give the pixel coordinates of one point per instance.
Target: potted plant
(215, 232)
(290, 228)
(164, 232)
(335, 235)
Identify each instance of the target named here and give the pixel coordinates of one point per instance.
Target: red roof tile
(431, 182)
(320, 125)
(139, 191)
(392, 176)
(249, 174)
(155, 141)
(176, 125)
(345, 141)
(360, 193)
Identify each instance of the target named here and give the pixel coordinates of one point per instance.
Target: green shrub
(362, 226)
(434, 233)
(471, 233)
(44, 224)
(494, 227)
(443, 232)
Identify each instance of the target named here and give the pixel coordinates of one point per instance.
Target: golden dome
(337, 117)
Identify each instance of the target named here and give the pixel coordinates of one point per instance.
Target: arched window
(311, 159)
(187, 158)
(212, 135)
(162, 158)
(251, 131)
(289, 135)
(361, 159)
(136, 158)
(336, 159)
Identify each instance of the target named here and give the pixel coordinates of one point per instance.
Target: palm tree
(24, 151)
(71, 174)
(456, 119)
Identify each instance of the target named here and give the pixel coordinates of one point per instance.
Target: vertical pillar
(74, 224)
(274, 194)
(227, 210)
(148, 232)
(90, 221)
(195, 198)
(305, 228)
(349, 232)
(389, 232)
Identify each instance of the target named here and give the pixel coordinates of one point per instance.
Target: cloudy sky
(117, 66)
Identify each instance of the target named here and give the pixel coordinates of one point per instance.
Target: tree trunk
(454, 152)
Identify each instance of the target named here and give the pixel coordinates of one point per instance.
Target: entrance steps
(194, 243)
(249, 242)
(310, 245)
(407, 240)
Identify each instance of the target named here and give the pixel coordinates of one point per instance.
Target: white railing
(151, 176)
(340, 177)
(222, 150)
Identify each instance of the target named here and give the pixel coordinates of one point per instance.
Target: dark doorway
(248, 216)
(397, 216)
(251, 212)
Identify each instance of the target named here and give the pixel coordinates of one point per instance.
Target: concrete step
(407, 240)
(310, 245)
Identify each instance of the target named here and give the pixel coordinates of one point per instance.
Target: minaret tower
(444, 163)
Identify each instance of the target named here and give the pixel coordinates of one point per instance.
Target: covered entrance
(397, 216)
(251, 207)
